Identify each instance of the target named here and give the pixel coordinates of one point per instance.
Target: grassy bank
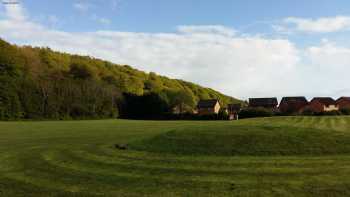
(290, 156)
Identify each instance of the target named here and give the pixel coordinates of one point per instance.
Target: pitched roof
(207, 103)
(344, 98)
(263, 101)
(297, 99)
(324, 100)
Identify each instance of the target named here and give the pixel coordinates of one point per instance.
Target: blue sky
(244, 48)
(164, 15)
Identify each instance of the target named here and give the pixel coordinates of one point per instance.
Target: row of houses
(300, 104)
(287, 105)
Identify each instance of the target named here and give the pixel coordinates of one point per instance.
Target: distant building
(293, 105)
(343, 103)
(208, 107)
(233, 110)
(270, 103)
(323, 104)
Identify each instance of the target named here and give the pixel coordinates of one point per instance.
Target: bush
(146, 107)
(223, 115)
(345, 111)
(256, 112)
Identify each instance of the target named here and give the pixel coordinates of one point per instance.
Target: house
(208, 107)
(233, 110)
(343, 103)
(293, 105)
(270, 103)
(323, 104)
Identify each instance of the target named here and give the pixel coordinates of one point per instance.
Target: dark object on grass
(121, 146)
(232, 187)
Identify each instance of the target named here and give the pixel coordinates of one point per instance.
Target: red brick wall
(344, 104)
(315, 106)
(292, 107)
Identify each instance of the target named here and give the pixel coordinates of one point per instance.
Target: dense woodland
(38, 83)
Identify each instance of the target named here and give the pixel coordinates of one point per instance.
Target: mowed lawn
(284, 156)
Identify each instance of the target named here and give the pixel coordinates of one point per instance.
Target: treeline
(38, 83)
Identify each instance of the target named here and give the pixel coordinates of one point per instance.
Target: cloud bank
(320, 25)
(214, 56)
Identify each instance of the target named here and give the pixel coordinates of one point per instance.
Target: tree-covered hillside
(38, 83)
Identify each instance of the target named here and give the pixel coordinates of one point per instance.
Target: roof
(207, 103)
(296, 99)
(263, 101)
(344, 99)
(324, 100)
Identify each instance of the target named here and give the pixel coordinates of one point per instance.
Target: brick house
(343, 103)
(323, 104)
(208, 107)
(293, 105)
(269, 103)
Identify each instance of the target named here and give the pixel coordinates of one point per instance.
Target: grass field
(291, 156)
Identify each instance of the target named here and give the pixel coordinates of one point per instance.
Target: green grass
(249, 140)
(290, 156)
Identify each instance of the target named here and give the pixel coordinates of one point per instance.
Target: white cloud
(213, 56)
(207, 29)
(320, 25)
(85, 6)
(327, 49)
(82, 6)
(15, 12)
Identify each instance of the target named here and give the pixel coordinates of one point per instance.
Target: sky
(243, 48)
